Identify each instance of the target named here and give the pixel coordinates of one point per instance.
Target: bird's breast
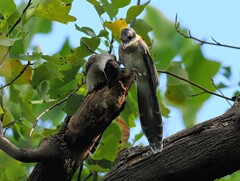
(134, 60)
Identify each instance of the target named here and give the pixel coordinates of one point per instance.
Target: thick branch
(44, 152)
(79, 133)
(59, 155)
(204, 152)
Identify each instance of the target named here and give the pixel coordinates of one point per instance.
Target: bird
(101, 70)
(134, 55)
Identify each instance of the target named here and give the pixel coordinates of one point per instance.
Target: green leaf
(49, 9)
(7, 118)
(138, 136)
(108, 147)
(83, 51)
(73, 104)
(88, 31)
(96, 168)
(15, 172)
(27, 111)
(66, 49)
(64, 88)
(54, 70)
(232, 177)
(103, 33)
(227, 72)
(7, 8)
(178, 91)
(120, 3)
(165, 111)
(3, 52)
(109, 8)
(167, 42)
(10, 69)
(200, 71)
(43, 90)
(100, 10)
(33, 56)
(130, 113)
(5, 41)
(143, 28)
(93, 2)
(134, 11)
(1, 110)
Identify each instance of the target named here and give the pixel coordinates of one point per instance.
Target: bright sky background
(205, 19)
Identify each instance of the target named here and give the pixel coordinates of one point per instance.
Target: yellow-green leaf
(55, 10)
(178, 91)
(1, 110)
(116, 26)
(5, 41)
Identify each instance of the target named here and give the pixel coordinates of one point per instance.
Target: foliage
(50, 78)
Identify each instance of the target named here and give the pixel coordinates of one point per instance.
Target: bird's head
(127, 36)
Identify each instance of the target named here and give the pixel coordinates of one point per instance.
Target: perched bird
(101, 69)
(134, 54)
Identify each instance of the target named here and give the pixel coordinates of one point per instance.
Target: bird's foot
(122, 85)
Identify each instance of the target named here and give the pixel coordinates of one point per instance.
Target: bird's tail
(149, 111)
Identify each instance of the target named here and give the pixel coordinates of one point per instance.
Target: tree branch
(45, 151)
(59, 155)
(19, 75)
(196, 85)
(50, 108)
(189, 35)
(19, 19)
(204, 152)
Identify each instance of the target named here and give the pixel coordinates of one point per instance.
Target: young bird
(134, 54)
(101, 69)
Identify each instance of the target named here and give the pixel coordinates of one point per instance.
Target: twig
(194, 84)
(111, 45)
(1, 129)
(95, 176)
(9, 124)
(19, 19)
(219, 91)
(189, 35)
(198, 94)
(133, 21)
(1, 104)
(5, 55)
(89, 49)
(13, 80)
(80, 172)
(50, 108)
(87, 177)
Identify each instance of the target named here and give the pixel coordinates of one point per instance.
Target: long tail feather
(150, 117)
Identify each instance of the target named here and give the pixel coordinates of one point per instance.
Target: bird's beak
(124, 45)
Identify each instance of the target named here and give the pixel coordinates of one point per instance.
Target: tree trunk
(204, 152)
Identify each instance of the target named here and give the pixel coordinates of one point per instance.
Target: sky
(205, 19)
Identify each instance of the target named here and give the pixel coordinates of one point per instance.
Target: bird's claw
(122, 85)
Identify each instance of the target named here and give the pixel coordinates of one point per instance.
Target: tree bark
(58, 156)
(207, 151)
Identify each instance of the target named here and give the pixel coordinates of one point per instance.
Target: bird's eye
(129, 37)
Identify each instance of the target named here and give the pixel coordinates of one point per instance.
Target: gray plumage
(134, 54)
(95, 70)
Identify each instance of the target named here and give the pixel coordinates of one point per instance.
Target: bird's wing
(89, 63)
(150, 65)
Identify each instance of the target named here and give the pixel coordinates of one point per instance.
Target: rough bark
(204, 152)
(77, 137)
(59, 155)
